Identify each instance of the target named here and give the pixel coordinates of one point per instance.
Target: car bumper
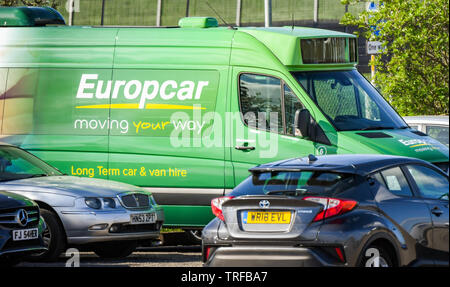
(261, 256)
(9, 247)
(23, 251)
(84, 227)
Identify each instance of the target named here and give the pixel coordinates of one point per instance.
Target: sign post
(373, 47)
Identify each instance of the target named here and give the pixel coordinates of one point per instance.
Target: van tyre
(54, 238)
(109, 250)
(370, 253)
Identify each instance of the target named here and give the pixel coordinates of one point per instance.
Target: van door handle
(244, 147)
(436, 211)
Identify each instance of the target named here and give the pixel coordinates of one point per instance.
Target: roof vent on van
(198, 22)
(29, 16)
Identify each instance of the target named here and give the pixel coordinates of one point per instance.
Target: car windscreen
(18, 164)
(349, 101)
(295, 183)
(438, 132)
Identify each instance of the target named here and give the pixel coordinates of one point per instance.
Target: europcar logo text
(139, 92)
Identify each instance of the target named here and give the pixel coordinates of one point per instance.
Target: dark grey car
(340, 210)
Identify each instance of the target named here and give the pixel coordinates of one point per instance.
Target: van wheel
(194, 236)
(111, 250)
(53, 236)
(376, 256)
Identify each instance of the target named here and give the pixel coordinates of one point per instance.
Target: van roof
(254, 46)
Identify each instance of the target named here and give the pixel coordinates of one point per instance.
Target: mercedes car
(21, 228)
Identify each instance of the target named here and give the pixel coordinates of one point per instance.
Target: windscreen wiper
(38, 175)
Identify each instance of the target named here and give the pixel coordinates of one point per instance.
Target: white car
(434, 126)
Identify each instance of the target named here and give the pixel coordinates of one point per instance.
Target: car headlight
(93, 202)
(109, 202)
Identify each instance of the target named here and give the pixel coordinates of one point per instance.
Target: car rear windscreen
(295, 183)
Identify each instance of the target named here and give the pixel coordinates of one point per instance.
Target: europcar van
(186, 111)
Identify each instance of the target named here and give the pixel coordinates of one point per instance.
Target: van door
(162, 123)
(262, 121)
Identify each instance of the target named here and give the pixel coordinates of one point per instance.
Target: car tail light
(216, 206)
(339, 254)
(332, 206)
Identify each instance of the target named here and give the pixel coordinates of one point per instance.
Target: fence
(311, 13)
(235, 12)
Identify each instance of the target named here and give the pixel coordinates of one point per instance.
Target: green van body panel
(133, 105)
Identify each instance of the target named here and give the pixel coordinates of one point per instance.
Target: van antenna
(218, 15)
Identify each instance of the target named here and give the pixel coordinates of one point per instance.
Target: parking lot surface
(163, 256)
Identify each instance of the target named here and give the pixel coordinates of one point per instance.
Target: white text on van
(148, 90)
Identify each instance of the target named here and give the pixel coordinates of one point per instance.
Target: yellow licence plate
(267, 217)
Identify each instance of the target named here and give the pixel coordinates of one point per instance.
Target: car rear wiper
(294, 192)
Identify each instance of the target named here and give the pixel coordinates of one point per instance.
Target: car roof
(439, 120)
(361, 164)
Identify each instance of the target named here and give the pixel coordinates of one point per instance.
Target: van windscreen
(349, 101)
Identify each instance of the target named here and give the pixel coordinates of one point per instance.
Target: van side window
(396, 182)
(291, 105)
(260, 100)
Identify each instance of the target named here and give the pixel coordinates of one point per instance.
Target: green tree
(49, 3)
(413, 70)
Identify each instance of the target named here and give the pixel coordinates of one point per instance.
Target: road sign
(374, 47)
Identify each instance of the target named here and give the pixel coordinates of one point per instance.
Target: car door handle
(436, 211)
(244, 147)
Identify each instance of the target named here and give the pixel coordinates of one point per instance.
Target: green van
(186, 111)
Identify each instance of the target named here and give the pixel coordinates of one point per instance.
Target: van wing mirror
(302, 123)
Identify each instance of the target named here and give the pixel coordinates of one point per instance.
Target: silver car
(105, 216)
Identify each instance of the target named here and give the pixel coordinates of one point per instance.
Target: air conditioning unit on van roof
(29, 17)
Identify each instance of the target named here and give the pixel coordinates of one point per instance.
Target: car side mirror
(302, 122)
